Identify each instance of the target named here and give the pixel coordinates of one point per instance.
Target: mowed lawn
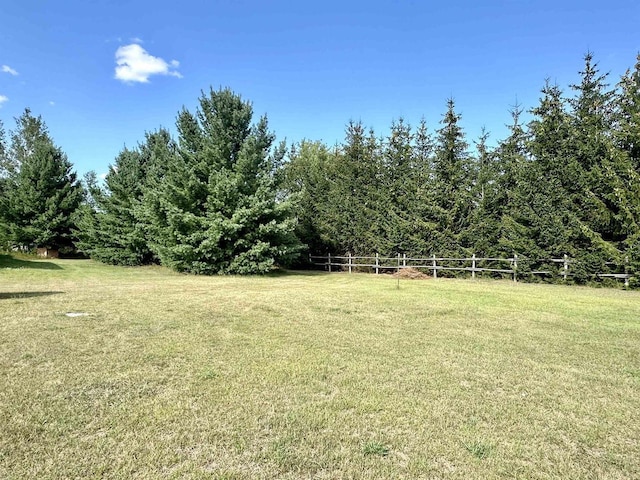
(312, 375)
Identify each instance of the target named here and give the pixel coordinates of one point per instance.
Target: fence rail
(435, 264)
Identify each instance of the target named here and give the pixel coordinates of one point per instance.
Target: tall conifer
(42, 192)
(217, 209)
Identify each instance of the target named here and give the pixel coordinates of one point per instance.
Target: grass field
(309, 375)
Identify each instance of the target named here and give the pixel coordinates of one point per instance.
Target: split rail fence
(473, 264)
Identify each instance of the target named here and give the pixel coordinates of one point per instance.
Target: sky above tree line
(103, 73)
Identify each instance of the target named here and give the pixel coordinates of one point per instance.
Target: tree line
(223, 197)
(566, 182)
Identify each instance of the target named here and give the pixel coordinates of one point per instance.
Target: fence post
(473, 266)
(398, 262)
(404, 259)
(435, 270)
(565, 268)
(515, 267)
(377, 262)
(349, 262)
(329, 262)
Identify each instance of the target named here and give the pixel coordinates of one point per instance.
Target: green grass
(375, 448)
(312, 376)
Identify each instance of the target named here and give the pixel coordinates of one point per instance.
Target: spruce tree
(112, 231)
(425, 218)
(356, 193)
(627, 114)
(512, 164)
(544, 210)
(4, 186)
(603, 199)
(217, 209)
(452, 182)
(309, 182)
(398, 192)
(43, 192)
(591, 147)
(627, 142)
(482, 232)
(4, 160)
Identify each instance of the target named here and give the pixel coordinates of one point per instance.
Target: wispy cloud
(102, 176)
(3, 99)
(135, 64)
(9, 70)
(52, 103)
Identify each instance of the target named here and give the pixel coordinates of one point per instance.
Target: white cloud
(9, 70)
(135, 64)
(3, 99)
(52, 103)
(137, 40)
(103, 175)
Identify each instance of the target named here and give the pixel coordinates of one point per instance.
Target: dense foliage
(39, 192)
(216, 208)
(110, 227)
(221, 199)
(568, 182)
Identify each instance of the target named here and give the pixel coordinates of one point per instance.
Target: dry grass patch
(410, 273)
(312, 376)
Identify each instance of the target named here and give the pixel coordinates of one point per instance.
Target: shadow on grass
(7, 295)
(7, 261)
(295, 273)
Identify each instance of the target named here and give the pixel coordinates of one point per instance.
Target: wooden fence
(473, 264)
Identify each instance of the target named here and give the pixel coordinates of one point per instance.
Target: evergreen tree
(512, 165)
(43, 193)
(591, 147)
(356, 192)
(544, 210)
(217, 208)
(452, 182)
(4, 186)
(3, 152)
(398, 192)
(627, 114)
(626, 194)
(425, 207)
(309, 181)
(482, 233)
(112, 231)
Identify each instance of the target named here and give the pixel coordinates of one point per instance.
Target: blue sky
(310, 66)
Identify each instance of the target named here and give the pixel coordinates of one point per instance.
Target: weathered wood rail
(474, 265)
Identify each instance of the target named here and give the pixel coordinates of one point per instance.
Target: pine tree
(4, 186)
(356, 193)
(4, 160)
(217, 208)
(43, 193)
(309, 182)
(591, 147)
(113, 231)
(626, 193)
(545, 208)
(482, 233)
(537, 219)
(29, 132)
(399, 189)
(512, 164)
(452, 182)
(426, 210)
(627, 114)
